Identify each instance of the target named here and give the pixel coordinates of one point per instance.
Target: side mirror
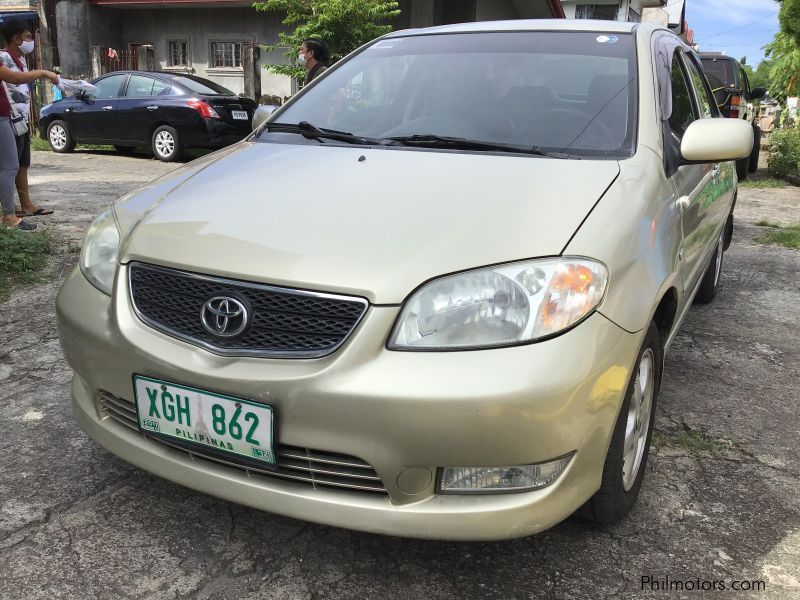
(261, 114)
(716, 140)
(80, 95)
(758, 93)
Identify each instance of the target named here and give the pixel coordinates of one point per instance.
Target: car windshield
(567, 92)
(199, 85)
(720, 72)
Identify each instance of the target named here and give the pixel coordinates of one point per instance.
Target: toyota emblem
(224, 316)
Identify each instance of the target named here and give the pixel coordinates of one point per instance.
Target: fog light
(481, 480)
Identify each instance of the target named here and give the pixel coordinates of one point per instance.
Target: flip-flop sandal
(39, 212)
(23, 225)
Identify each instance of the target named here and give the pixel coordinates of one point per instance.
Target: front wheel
(59, 137)
(710, 284)
(742, 166)
(167, 144)
(754, 156)
(623, 471)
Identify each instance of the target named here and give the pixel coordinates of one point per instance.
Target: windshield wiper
(312, 132)
(430, 140)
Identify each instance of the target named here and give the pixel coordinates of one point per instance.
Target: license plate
(229, 425)
(239, 114)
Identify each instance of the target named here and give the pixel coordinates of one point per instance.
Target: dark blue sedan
(168, 112)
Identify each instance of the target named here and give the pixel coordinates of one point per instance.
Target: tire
(741, 168)
(620, 484)
(166, 144)
(60, 138)
(125, 149)
(710, 284)
(756, 149)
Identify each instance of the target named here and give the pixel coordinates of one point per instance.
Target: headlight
(99, 254)
(500, 306)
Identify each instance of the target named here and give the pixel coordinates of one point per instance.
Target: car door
(138, 109)
(699, 187)
(92, 118)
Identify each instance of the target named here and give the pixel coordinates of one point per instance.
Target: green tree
(789, 17)
(343, 25)
(784, 73)
(760, 76)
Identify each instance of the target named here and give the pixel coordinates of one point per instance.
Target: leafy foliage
(785, 160)
(343, 25)
(785, 66)
(789, 17)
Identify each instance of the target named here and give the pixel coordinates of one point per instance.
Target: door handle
(152, 107)
(108, 108)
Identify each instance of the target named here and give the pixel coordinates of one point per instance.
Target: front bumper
(394, 410)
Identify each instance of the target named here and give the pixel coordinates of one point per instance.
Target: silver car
(430, 296)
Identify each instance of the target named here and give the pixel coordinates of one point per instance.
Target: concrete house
(209, 37)
(669, 13)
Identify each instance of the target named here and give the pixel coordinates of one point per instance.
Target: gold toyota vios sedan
(430, 296)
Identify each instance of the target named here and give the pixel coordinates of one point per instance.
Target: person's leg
(9, 165)
(21, 180)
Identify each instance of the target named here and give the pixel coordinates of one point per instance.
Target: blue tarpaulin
(29, 15)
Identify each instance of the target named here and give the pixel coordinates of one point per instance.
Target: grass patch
(41, 145)
(23, 255)
(785, 236)
(766, 223)
(766, 183)
(693, 442)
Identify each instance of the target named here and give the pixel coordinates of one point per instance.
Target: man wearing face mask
(19, 41)
(313, 55)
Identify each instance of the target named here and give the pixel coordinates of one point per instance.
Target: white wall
(199, 26)
(622, 13)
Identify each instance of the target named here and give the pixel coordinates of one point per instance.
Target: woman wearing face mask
(313, 55)
(19, 42)
(13, 150)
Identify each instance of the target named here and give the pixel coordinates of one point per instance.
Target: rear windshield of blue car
(198, 85)
(568, 92)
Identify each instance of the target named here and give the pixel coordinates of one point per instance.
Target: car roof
(715, 56)
(530, 25)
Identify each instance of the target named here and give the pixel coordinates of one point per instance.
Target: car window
(108, 87)
(198, 85)
(704, 97)
(159, 87)
(567, 92)
(139, 86)
(723, 70)
(682, 108)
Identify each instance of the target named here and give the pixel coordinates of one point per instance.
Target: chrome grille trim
(317, 468)
(304, 328)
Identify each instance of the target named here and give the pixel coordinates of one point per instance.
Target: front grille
(316, 468)
(284, 323)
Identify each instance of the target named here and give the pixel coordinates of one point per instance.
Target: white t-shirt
(20, 94)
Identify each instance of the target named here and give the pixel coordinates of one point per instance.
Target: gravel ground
(720, 501)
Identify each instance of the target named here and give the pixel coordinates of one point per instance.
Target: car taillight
(734, 110)
(204, 108)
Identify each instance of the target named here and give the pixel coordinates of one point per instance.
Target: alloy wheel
(637, 425)
(165, 143)
(58, 137)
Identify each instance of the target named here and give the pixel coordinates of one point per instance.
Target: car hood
(367, 221)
